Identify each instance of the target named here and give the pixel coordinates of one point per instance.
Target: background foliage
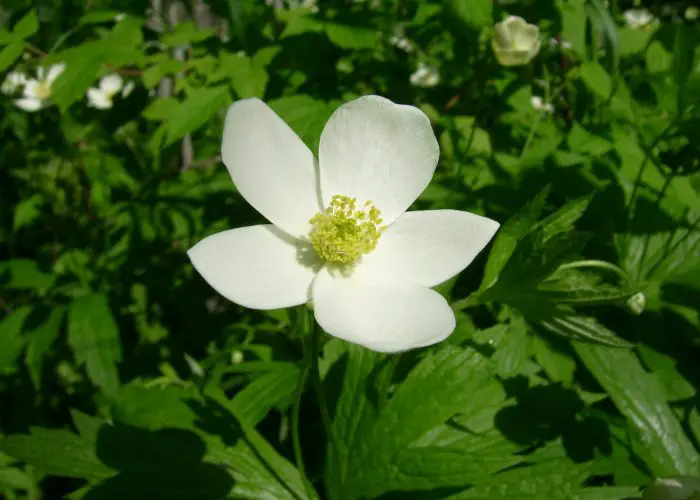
(573, 371)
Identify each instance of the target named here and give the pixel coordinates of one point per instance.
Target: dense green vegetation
(573, 370)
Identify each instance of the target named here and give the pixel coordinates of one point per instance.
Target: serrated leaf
(509, 235)
(94, 338)
(10, 54)
(640, 398)
(195, 111)
(248, 77)
(82, 65)
(556, 479)
(435, 390)
(26, 26)
(57, 452)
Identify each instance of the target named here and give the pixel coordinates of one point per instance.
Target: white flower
(425, 76)
(119, 17)
(515, 42)
(364, 263)
(639, 18)
(37, 92)
(673, 488)
(692, 13)
(401, 42)
(14, 81)
(103, 96)
(541, 105)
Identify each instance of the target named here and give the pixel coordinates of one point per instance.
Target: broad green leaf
(40, 338)
(11, 338)
(563, 220)
(94, 338)
(475, 14)
(305, 115)
(27, 211)
(83, 64)
(633, 41)
(435, 390)
(509, 235)
(583, 328)
(24, 274)
(558, 479)
(256, 399)
(573, 20)
(557, 364)
(26, 26)
(583, 141)
(57, 452)
(512, 351)
(10, 54)
(351, 37)
(596, 78)
(196, 111)
(640, 397)
(248, 78)
(16, 479)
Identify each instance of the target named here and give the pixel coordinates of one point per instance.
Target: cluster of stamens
(343, 233)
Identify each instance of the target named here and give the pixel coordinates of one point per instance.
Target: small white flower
(541, 105)
(639, 18)
(554, 43)
(340, 236)
(37, 92)
(102, 97)
(401, 42)
(673, 488)
(119, 17)
(14, 81)
(515, 42)
(692, 13)
(425, 76)
(128, 88)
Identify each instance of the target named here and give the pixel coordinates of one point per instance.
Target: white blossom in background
(673, 488)
(541, 105)
(339, 235)
(401, 42)
(102, 97)
(554, 43)
(515, 42)
(425, 76)
(13, 83)
(692, 13)
(119, 17)
(37, 92)
(639, 18)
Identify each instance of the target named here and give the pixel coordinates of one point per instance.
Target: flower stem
(316, 380)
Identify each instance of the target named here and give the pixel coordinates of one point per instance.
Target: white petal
(98, 99)
(429, 247)
(373, 149)
(29, 103)
(55, 71)
(271, 167)
(111, 84)
(128, 88)
(32, 89)
(258, 266)
(381, 314)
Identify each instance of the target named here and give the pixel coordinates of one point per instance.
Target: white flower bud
(515, 42)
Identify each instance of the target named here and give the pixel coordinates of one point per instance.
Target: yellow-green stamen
(342, 233)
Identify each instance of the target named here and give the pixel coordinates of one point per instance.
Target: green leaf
(10, 54)
(83, 64)
(435, 390)
(15, 479)
(57, 452)
(563, 220)
(509, 235)
(305, 115)
(256, 399)
(248, 78)
(41, 337)
(11, 338)
(196, 111)
(475, 14)
(578, 327)
(640, 397)
(573, 20)
(683, 58)
(26, 26)
(607, 493)
(556, 479)
(27, 211)
(351, 37)
(24, 274)
(583, 141)
(596, 78)
(94, 338)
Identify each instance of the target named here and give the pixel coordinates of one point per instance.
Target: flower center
(43, 90)
(343, 233)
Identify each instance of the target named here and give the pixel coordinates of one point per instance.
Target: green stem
(316, 381)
